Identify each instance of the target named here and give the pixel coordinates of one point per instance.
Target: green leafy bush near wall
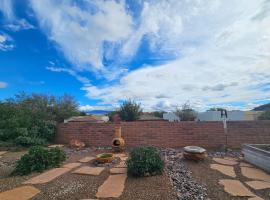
(145, 161)
(39, 159)
(28, 120)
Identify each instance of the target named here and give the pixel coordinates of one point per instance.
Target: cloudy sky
(161, 53)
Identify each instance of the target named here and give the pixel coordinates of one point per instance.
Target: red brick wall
(167, 134)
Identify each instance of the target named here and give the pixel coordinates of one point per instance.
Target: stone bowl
(105, 157)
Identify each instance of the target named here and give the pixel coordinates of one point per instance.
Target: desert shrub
(130, 111)
(26, 141)
(39, 159)
(186, 113)
(145, 161)
(265, 115)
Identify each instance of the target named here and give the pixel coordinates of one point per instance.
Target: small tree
(186, 113)
(130, 111)
(265, 115)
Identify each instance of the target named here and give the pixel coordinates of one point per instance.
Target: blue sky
(159, 53)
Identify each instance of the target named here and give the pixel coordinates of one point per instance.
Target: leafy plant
(265, 115)
(130, 111)
(28, 141)
(39, 159)
(145, 161)
(186, 113)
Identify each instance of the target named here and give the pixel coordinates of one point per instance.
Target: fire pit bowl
(194, 153)
(258, 155)
(105, 157)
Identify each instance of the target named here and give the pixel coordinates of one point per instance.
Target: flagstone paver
(20, 193)
(122, 164)
(56, 145)
(254, 173)
(255, 198)
(72, 165)
(89, 170)
(118, 170)
(2, 152)
(235, 188)
(258, 185)
(47, 176)
(112, 187)
(244, 164)
(227, 170)
(230, 158)
(86, 159)
(225, 161)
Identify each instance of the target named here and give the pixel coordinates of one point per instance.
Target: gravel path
(186, 186)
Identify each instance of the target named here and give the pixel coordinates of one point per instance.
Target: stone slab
(122, 164)
(254, 173)
(235, 188)
(56, 145)
(225, 161)
(86, 170)
(118, 170)
(224, 169)
(113, 187)
(255, 198)
(19, 193)
(230, 158)
(72, 165)
(244, 164)
(258, 185)
(47, 176)
(86, 159)
(2, 152)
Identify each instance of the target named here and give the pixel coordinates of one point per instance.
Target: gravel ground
(73, 186)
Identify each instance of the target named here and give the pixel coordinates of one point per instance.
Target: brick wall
(167, 134)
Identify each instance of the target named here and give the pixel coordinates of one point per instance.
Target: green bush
(26, 141)
(145, 161)
(39, 159)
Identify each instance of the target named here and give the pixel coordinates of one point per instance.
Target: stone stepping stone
(258, 185)
(113, 187)
(244, 164)
(86, 159)
(56, 145)
(86, 170)
(47, 176)
(225, 161)
(2, 152)
(227, 170)
(71, 165)
(19, 193)
(118, 170)
(235, 188)
(231, 158)
(122, 164)
(254, 173)
(255, 198)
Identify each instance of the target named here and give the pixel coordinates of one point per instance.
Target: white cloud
(225, 53)
(86, 108)
(3, 84)
(80, 33)
(12, 22)
(221, 49)
(71, 72)
(6, 42)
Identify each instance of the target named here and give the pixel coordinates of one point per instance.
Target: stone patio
(227, 170)
(86, 159)
(235, 188)
(254, 173)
